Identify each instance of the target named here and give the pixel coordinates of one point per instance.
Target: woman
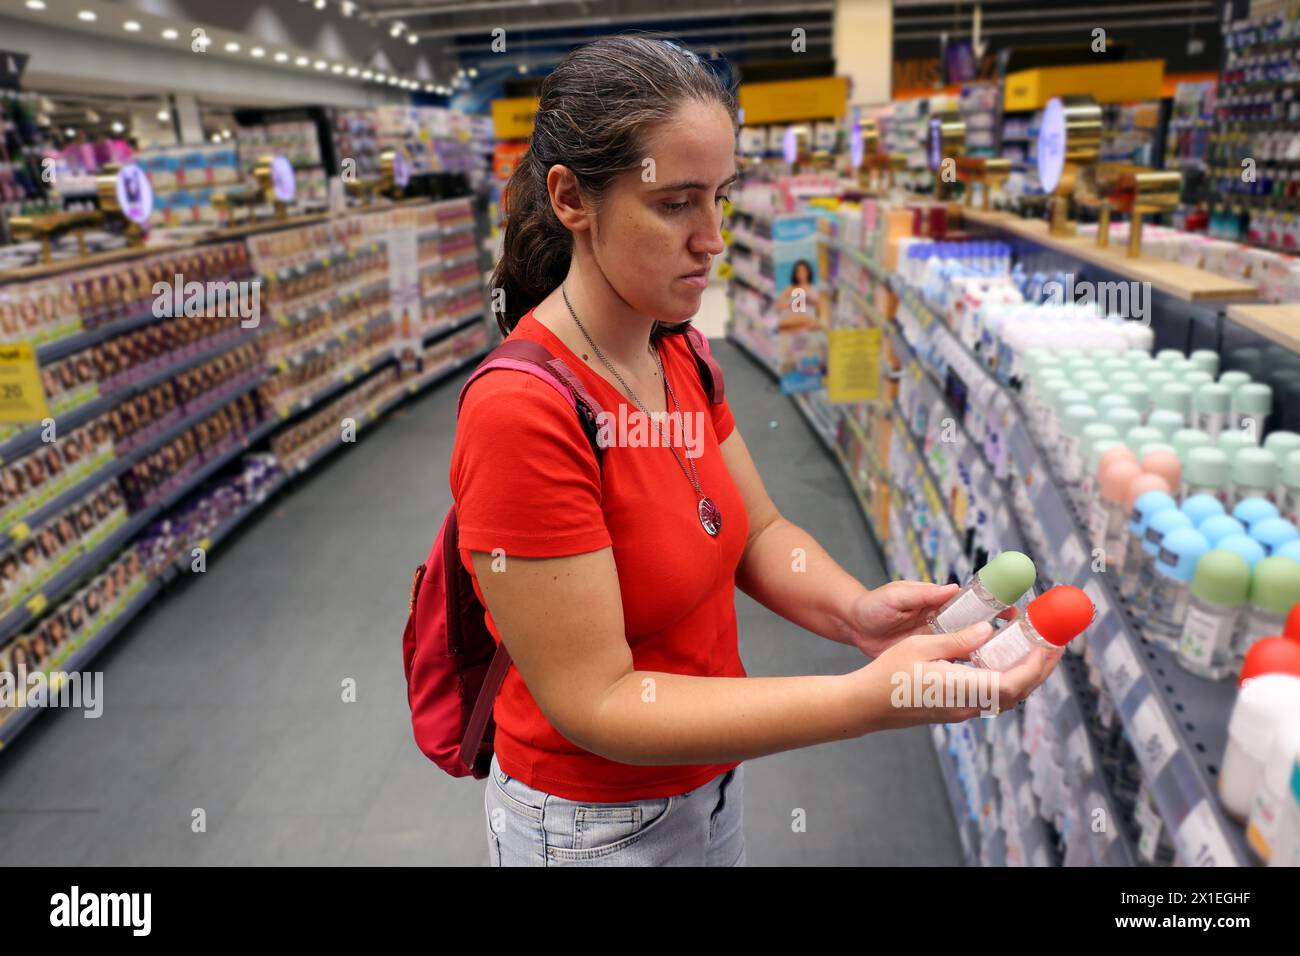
(797, 315)
(624, 719)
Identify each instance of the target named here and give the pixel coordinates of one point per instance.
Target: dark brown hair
(595, 111)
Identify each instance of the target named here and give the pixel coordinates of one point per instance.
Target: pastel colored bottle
(1219, 526)
(1282, 443)
(1231, 442)
(1106, 514)
(1210, 407)
(1174, 566)
(1250, 510)
(1207, 471)
(1202, 507)
(1140, 435)
(1117, 547)
(1097, 456)
(1145, 508)
(1185, 439)
(1158, 527)
(1273, 533)
(1176, 397)
(1207, 360)
(1073, 420)
(1051, 621)
(1274, 590)
(1288, 501)
(1254, 475)
(1234, 378)
(1220, 586)
(1167, 422)
(1194, 380)
(1289, 550)
(1264, 704)
(990, 591)
(1158, 459)
(1139, 398)
(1056, 421)
(1265, 822)
(1245, 547)
(1251, 403)
(1121, 419)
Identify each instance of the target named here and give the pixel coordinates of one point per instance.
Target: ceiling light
(169, 34)
(257, 52)
(282, 57)
(397, 28)
(69, 132)
(164, 115)
(216, 137)
(460, 72)
(87, 15)
(320, 64)
(473, 71)
(428, 87)
(131, 26)
(353, 71)
(232, 47)
(226, 134)
(320, 4)
(35, 4)
(381, 77)
(523, 67)
(347, 8)
(117, 127)
(336, 68)
(367, 74)
(412, 39)
(302, 61)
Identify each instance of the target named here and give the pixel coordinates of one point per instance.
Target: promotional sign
(404, 286)
(853, 365)
(798, 308)
(134, 194)
(282, 179)
(22, 396)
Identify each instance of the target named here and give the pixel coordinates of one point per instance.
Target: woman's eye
(721, 198)
(675, 206)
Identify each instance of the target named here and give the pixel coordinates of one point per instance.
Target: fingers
(1022, 680)
(919, 594)
(958, 644)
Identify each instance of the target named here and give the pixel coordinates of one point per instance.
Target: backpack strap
(710, 370)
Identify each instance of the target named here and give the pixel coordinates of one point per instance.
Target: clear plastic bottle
(1250, 408)
(1288, 499)
(1254, 475)
(1093, 432)
(1174, 567)
(1185, 439)
(1116, 546)
(1106, 513)
(1145, 508)
(1102, 452)
(1207, 360)
(1073, 420)
(1166, 422)
(1274, 590)
(1234, 378)
(1210, 407)
(1273, 793)
(1250, 510)
(1206, 471)
(1273, 533)
(1264, 704)
(1219, 589)
(1219, 526)
(1139, 398)
(1176, 397)
(1051, 621)
(990, 591)
(1160, 525)
(1242, 545)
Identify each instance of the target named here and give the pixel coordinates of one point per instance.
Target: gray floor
(225, 696)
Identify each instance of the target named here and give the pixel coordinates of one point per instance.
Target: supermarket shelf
(80, 658)
(1277, 323)
(752, 351)
(1160, 710)
(438, 335)
(966, 831)
(227, 527)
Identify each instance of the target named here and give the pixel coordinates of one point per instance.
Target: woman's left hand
(891, 612)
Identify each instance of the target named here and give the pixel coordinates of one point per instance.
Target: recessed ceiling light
(35, 4)
(353, 71)
(523, 67)
(232, 47)
(301, 61)
(164, 115)
(282, 57)
(320, 64)
(87, 15)
(428, 87)
(169, 34)
(380, 77)
(473, 71)
(117, 127)
(320, 4)
(336, 68)
(412, 39)
(216, 137)
(257, 52)
(69, 132)
(397, 28)
(347, 8)
(131, 26)
(367, 74)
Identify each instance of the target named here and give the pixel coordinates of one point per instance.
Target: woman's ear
(566, 198)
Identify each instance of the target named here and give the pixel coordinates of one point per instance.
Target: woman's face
(660, 223)
(802, 274)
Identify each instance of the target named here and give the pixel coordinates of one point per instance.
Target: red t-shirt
(525, 479)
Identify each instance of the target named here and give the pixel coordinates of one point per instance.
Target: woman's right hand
(916, 681)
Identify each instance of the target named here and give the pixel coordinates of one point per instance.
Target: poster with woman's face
(799, 307)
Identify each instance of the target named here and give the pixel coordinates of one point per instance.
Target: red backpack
(454, 667)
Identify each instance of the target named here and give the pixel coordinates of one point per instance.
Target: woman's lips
(698, 280)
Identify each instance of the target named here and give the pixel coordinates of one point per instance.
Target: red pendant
(710, 516)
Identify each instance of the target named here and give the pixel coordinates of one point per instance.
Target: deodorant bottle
(1052, 620)
(1219, 589)
(990, 591)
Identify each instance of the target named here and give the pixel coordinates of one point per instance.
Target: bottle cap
(1292, 627)
(1289, 550)
(1282, 443)
(1008, 576)
(1212, 398)
(1099, 449)
(1146, 507)
(1137, 356)
(1265, 701)
(1234, 379)
(1250, 510)
(1169, 356)
(1291, 469)
(1250, 550)
(1114, 479)
(1122, 419)
(1219, 526)
(1206, 467)
(1179, 552)
(1140, 435)
(1137, 394)
(1185, 439)
(1221, 578)
(1255, 468)
(1120, 376)
(1184, 367)
(1161, 524)
(1093, 432)
(1233, 441)
(1154, 446)
(1166, 421)
(1176, 397)
(1158, 379)
(1107, 402)
(1207, 360)
(1273, 657)
(1253, 398)
(1272, 533)
(1162, 462)
(1070, 396)
(1095, 386)
(1275, 585)
(1195, 379)
(1060, 614)
(1140, 484)
(1074, 417)
(1202, 506)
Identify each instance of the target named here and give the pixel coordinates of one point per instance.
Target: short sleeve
(523, 473)
(723, 421)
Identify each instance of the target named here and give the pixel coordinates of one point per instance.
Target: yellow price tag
(22, 396)
(36, 603)
(365, 367)
(283, 320)
(282, 365)
(413, 388)
(205, 544)
(347, 378)
(728, 207)
(726, 236)
(725, 271)
(19, 531)
(284, 413)
(932, 497)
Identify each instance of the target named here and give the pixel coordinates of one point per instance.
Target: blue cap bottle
(1217, 527)
(1289, 550)
(1200, 507)
(1272, 533)
(1245, 546)
(1174, 568)
(1250, 510)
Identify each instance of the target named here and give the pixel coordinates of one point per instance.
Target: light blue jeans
(702, 827)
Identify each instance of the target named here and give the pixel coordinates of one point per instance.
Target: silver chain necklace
(710, 515)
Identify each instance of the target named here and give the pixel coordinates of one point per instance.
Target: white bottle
(1264, 705)
(989, 592)
(1051, 621)
(1270, 800)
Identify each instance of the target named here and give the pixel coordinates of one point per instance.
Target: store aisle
(225, 739)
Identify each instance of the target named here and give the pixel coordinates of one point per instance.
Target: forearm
(788, 572)
(655, 718)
